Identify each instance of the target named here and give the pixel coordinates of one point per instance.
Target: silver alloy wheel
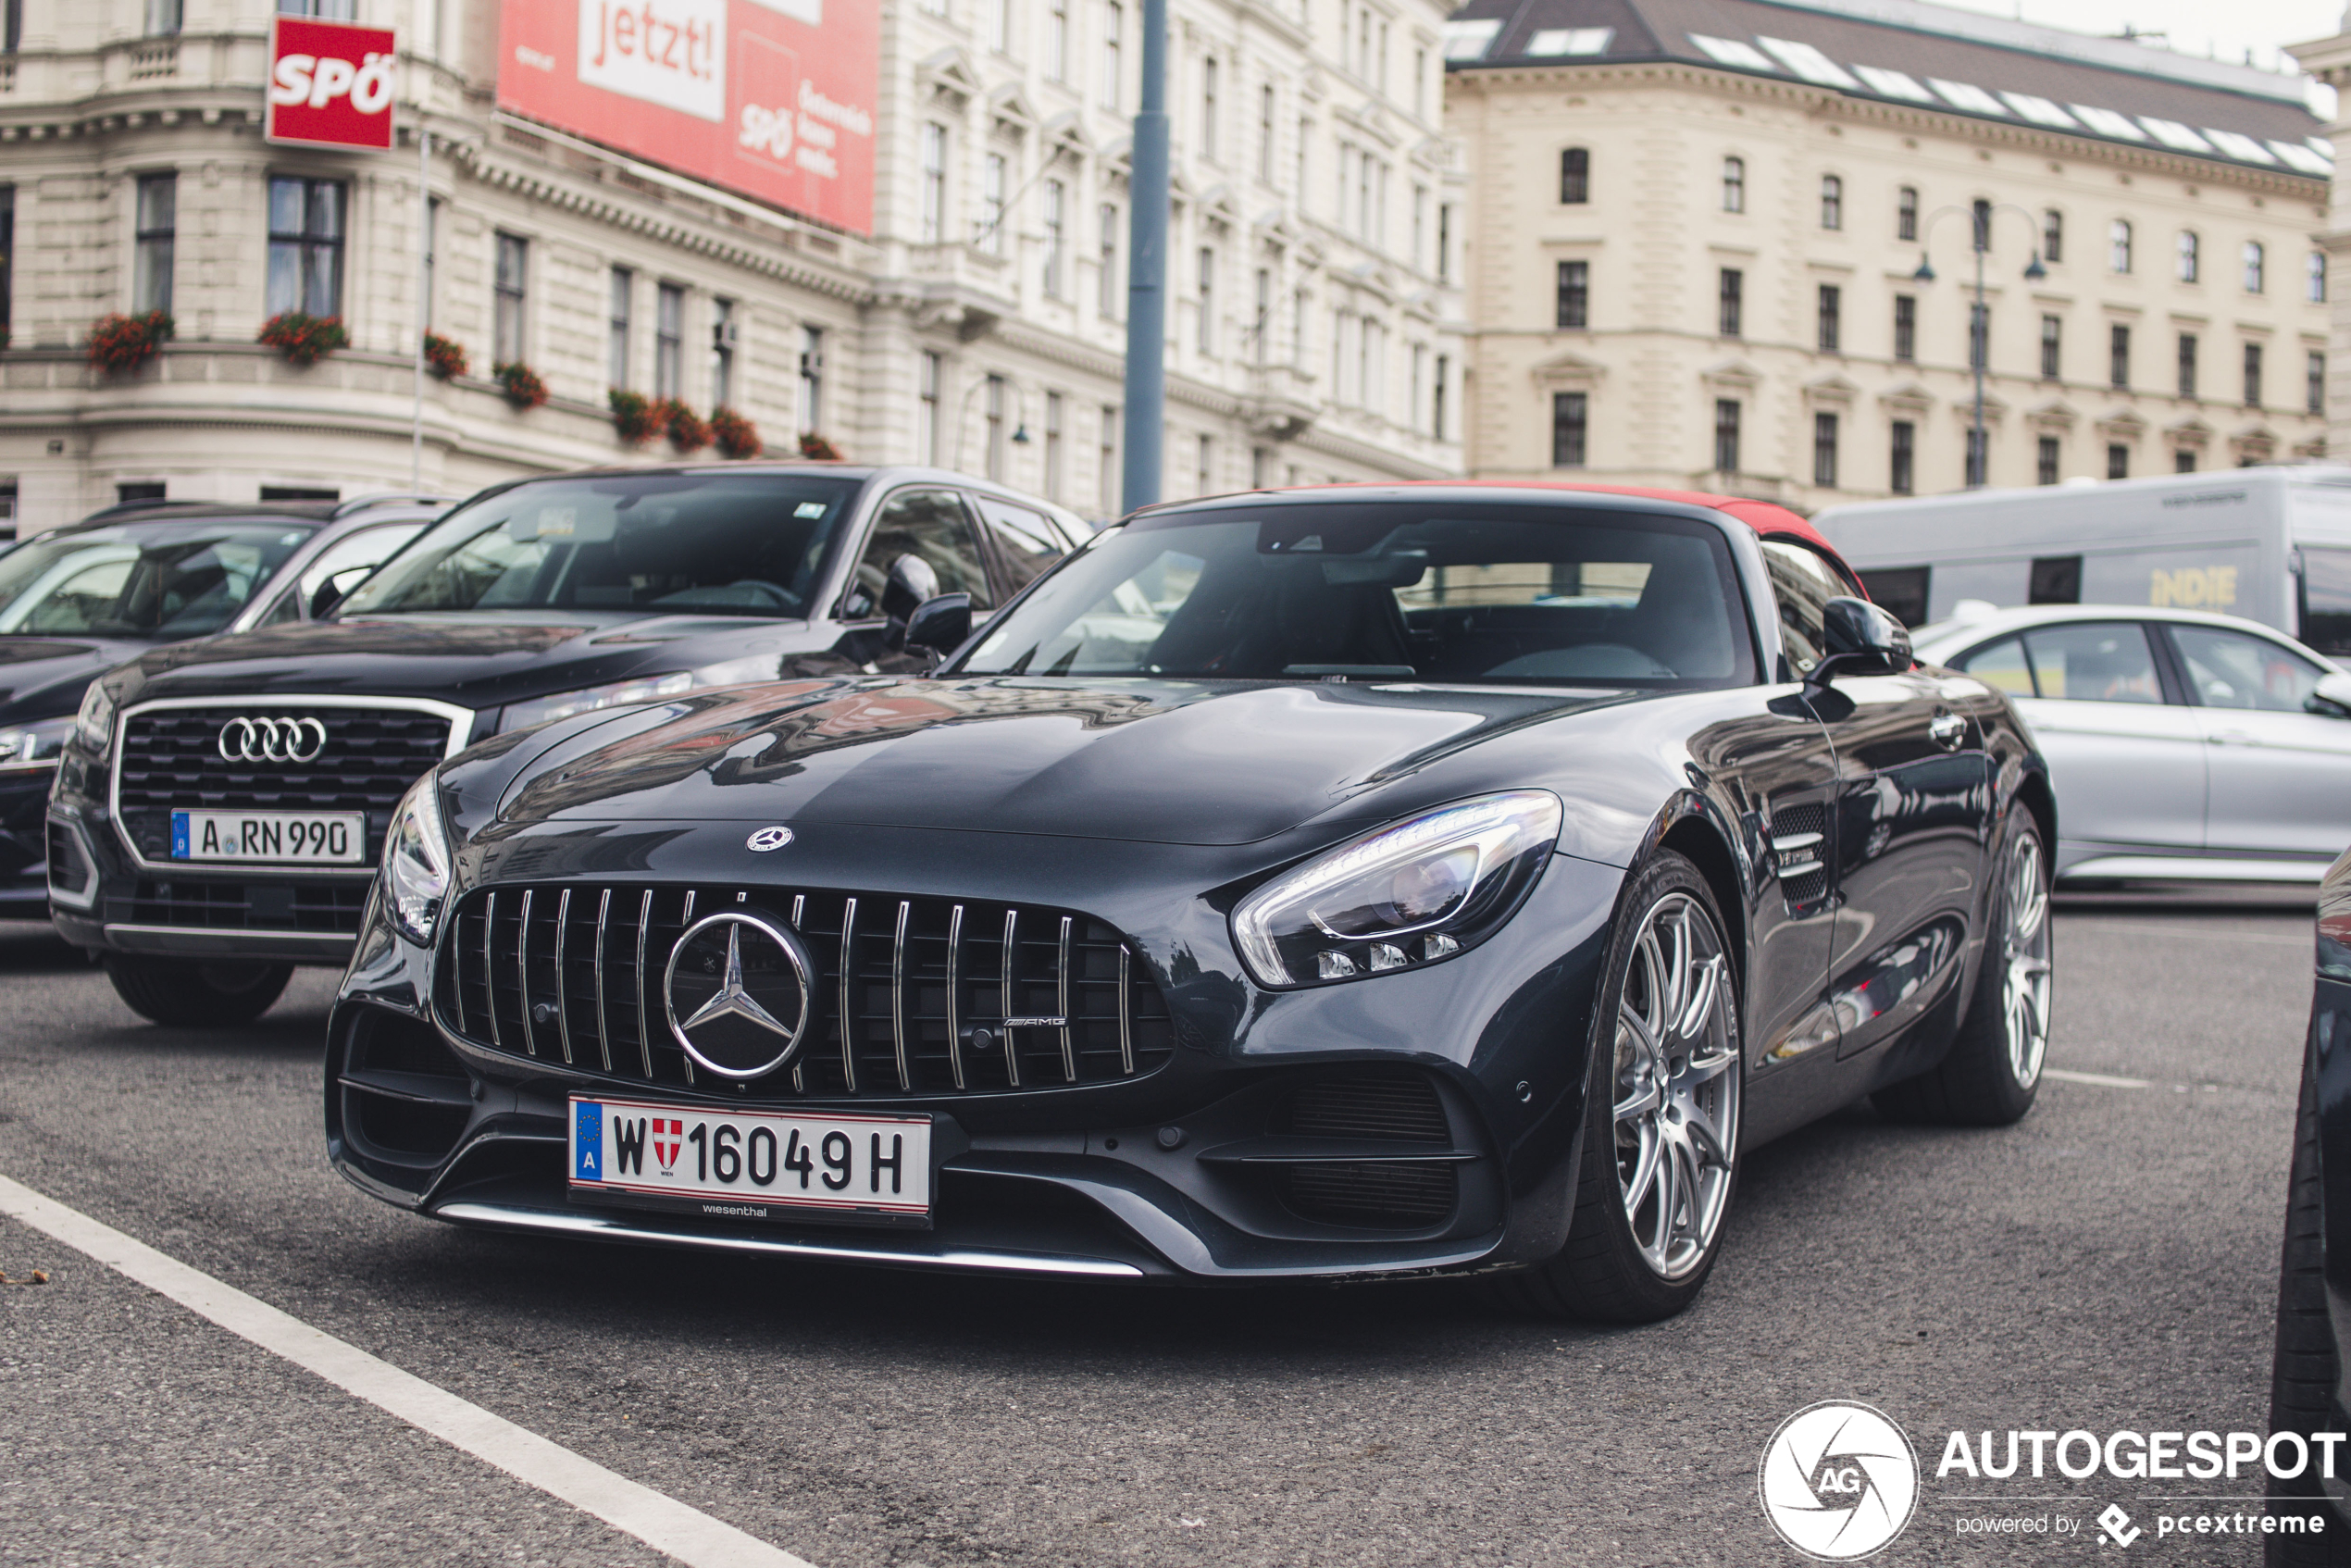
(2024, 972)
(1677, 1085)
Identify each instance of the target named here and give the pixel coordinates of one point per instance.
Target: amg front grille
(911, 996)
(172, 760)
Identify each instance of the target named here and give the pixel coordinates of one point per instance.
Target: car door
(346, 563)
(928, 522)
(1023, 539)
(2277, 775)
(2126, 757)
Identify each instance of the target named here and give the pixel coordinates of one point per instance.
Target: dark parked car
(1320, 883)
(2307, 1389)
(222, 811)
(78, 601)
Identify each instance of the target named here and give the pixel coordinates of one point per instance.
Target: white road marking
(663, 1523)
(2104, 1080)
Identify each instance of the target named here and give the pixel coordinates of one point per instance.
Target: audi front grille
(574, 974)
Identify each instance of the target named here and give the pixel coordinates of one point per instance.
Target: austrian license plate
(294, 838)
(846, 1167)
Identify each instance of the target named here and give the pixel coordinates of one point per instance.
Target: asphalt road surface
(2109, 1262)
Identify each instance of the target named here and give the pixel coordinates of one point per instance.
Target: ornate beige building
(1697, 229)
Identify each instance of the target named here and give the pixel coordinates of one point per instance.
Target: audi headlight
(35, 745)
(94, 724)
(1406, 895)
(415, 873)
(637, 688)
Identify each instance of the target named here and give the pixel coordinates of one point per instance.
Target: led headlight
(638, 689)
(1406, 895)
(94, 725)
(415, 873)
(35, 745)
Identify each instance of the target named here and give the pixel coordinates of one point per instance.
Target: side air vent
(404, 1098)
(1800, 853)
(1403, 1194)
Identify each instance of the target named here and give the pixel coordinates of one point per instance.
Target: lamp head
(1925, 274)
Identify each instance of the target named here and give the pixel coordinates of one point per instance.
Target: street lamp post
(1146, 389)
(1979, 324)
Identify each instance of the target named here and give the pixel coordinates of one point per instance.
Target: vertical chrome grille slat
(489, 968)
(1125, 1013)
(799, 1083)
(1069, 1055)
(686, 919)
(954, 979)
(604, 1018)
(898, 993)
(1004, 993)
(847, 985)
(562, 1003)
(522, 973)
(644, 1029)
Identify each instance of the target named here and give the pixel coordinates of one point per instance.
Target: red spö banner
(331, 84)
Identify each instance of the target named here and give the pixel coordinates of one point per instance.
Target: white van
(2270, 544)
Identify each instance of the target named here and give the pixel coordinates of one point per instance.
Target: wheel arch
(1691, 826)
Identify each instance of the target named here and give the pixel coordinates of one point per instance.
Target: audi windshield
(161, 581)
(1428, 591)
(703, 543)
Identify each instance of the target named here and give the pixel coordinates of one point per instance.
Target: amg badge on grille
(271, 740)
(737, 993)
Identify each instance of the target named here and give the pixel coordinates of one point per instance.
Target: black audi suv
(224, 803)
(77, 600)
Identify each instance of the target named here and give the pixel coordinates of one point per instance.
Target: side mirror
(913, 583)
(941, 624)
(1857, 637)
(2331, 696)
(336, 589)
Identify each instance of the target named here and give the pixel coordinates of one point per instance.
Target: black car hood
(1188, 763)
(481, 661)
(43, 676)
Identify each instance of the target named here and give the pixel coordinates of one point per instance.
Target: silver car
(2182, 745)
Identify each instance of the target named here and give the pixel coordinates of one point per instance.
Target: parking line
(661, 1521)
(2104, 1080)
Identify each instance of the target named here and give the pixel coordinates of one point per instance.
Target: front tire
(1660, 1131)
(1993, 1071)
(194, 994)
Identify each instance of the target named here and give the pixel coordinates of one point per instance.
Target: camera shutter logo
(256, 739)
(1839, 1481)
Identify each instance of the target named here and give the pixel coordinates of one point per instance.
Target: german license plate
(296, 837)
(846, 1167)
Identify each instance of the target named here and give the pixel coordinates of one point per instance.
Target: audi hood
(43, 677)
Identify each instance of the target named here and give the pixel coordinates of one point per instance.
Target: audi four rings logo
(272, 739)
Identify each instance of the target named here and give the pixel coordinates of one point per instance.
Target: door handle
(2233, 738)
(1946, 729)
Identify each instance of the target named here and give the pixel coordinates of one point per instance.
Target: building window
(1980, 224)
(2052, 235)
(2117, 355)
(1444, 374)
(1305, 147)
(2314, 383)
(669, 340)
(811, 377)
(1114, 287)
(2191, 255)
(1727, 312)
(1824, 451)
(2118, 245)
(1207, 299)
(2256, 259)
(1055, 194)
(987, 228)
(1733, 184)
(1832, 202)
(1905, 213)
(1420, 226)
(1261, 331)
(927, 371)
(2184, 461)
(1570, 412)
(325, 10)
(158, 224)
(306, 247)
(1057, 41)
(2187, 364)
(623, 292)
(1978, 444)
(2315, 278)
(1905, 327)
(1726, 435)
(999, 26)
(1832, 314)
(1208, 108)
(7, 253)
(2253, 375)
(722, 353)
(2046, 462)
(1576, 176)
(1114, 23)
(1444, 242)
(513, 277)
(2052, 346)
(934, 183)
(1979, 334)
(992, 401)
(2118, 461)
(1106, 474)
(1265, 134)
(1203, 464)
(1575, 294)
(163, 17)
(1052, 446)
(1899, 468)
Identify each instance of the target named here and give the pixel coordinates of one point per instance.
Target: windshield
(1441, 591)
(2326, 600)
(722, 544)
(149, 581)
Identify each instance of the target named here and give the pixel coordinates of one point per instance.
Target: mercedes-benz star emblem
(737, 993)
(247, 739)
(769, 838)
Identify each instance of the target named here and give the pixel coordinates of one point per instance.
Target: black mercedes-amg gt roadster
(1327, 883)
